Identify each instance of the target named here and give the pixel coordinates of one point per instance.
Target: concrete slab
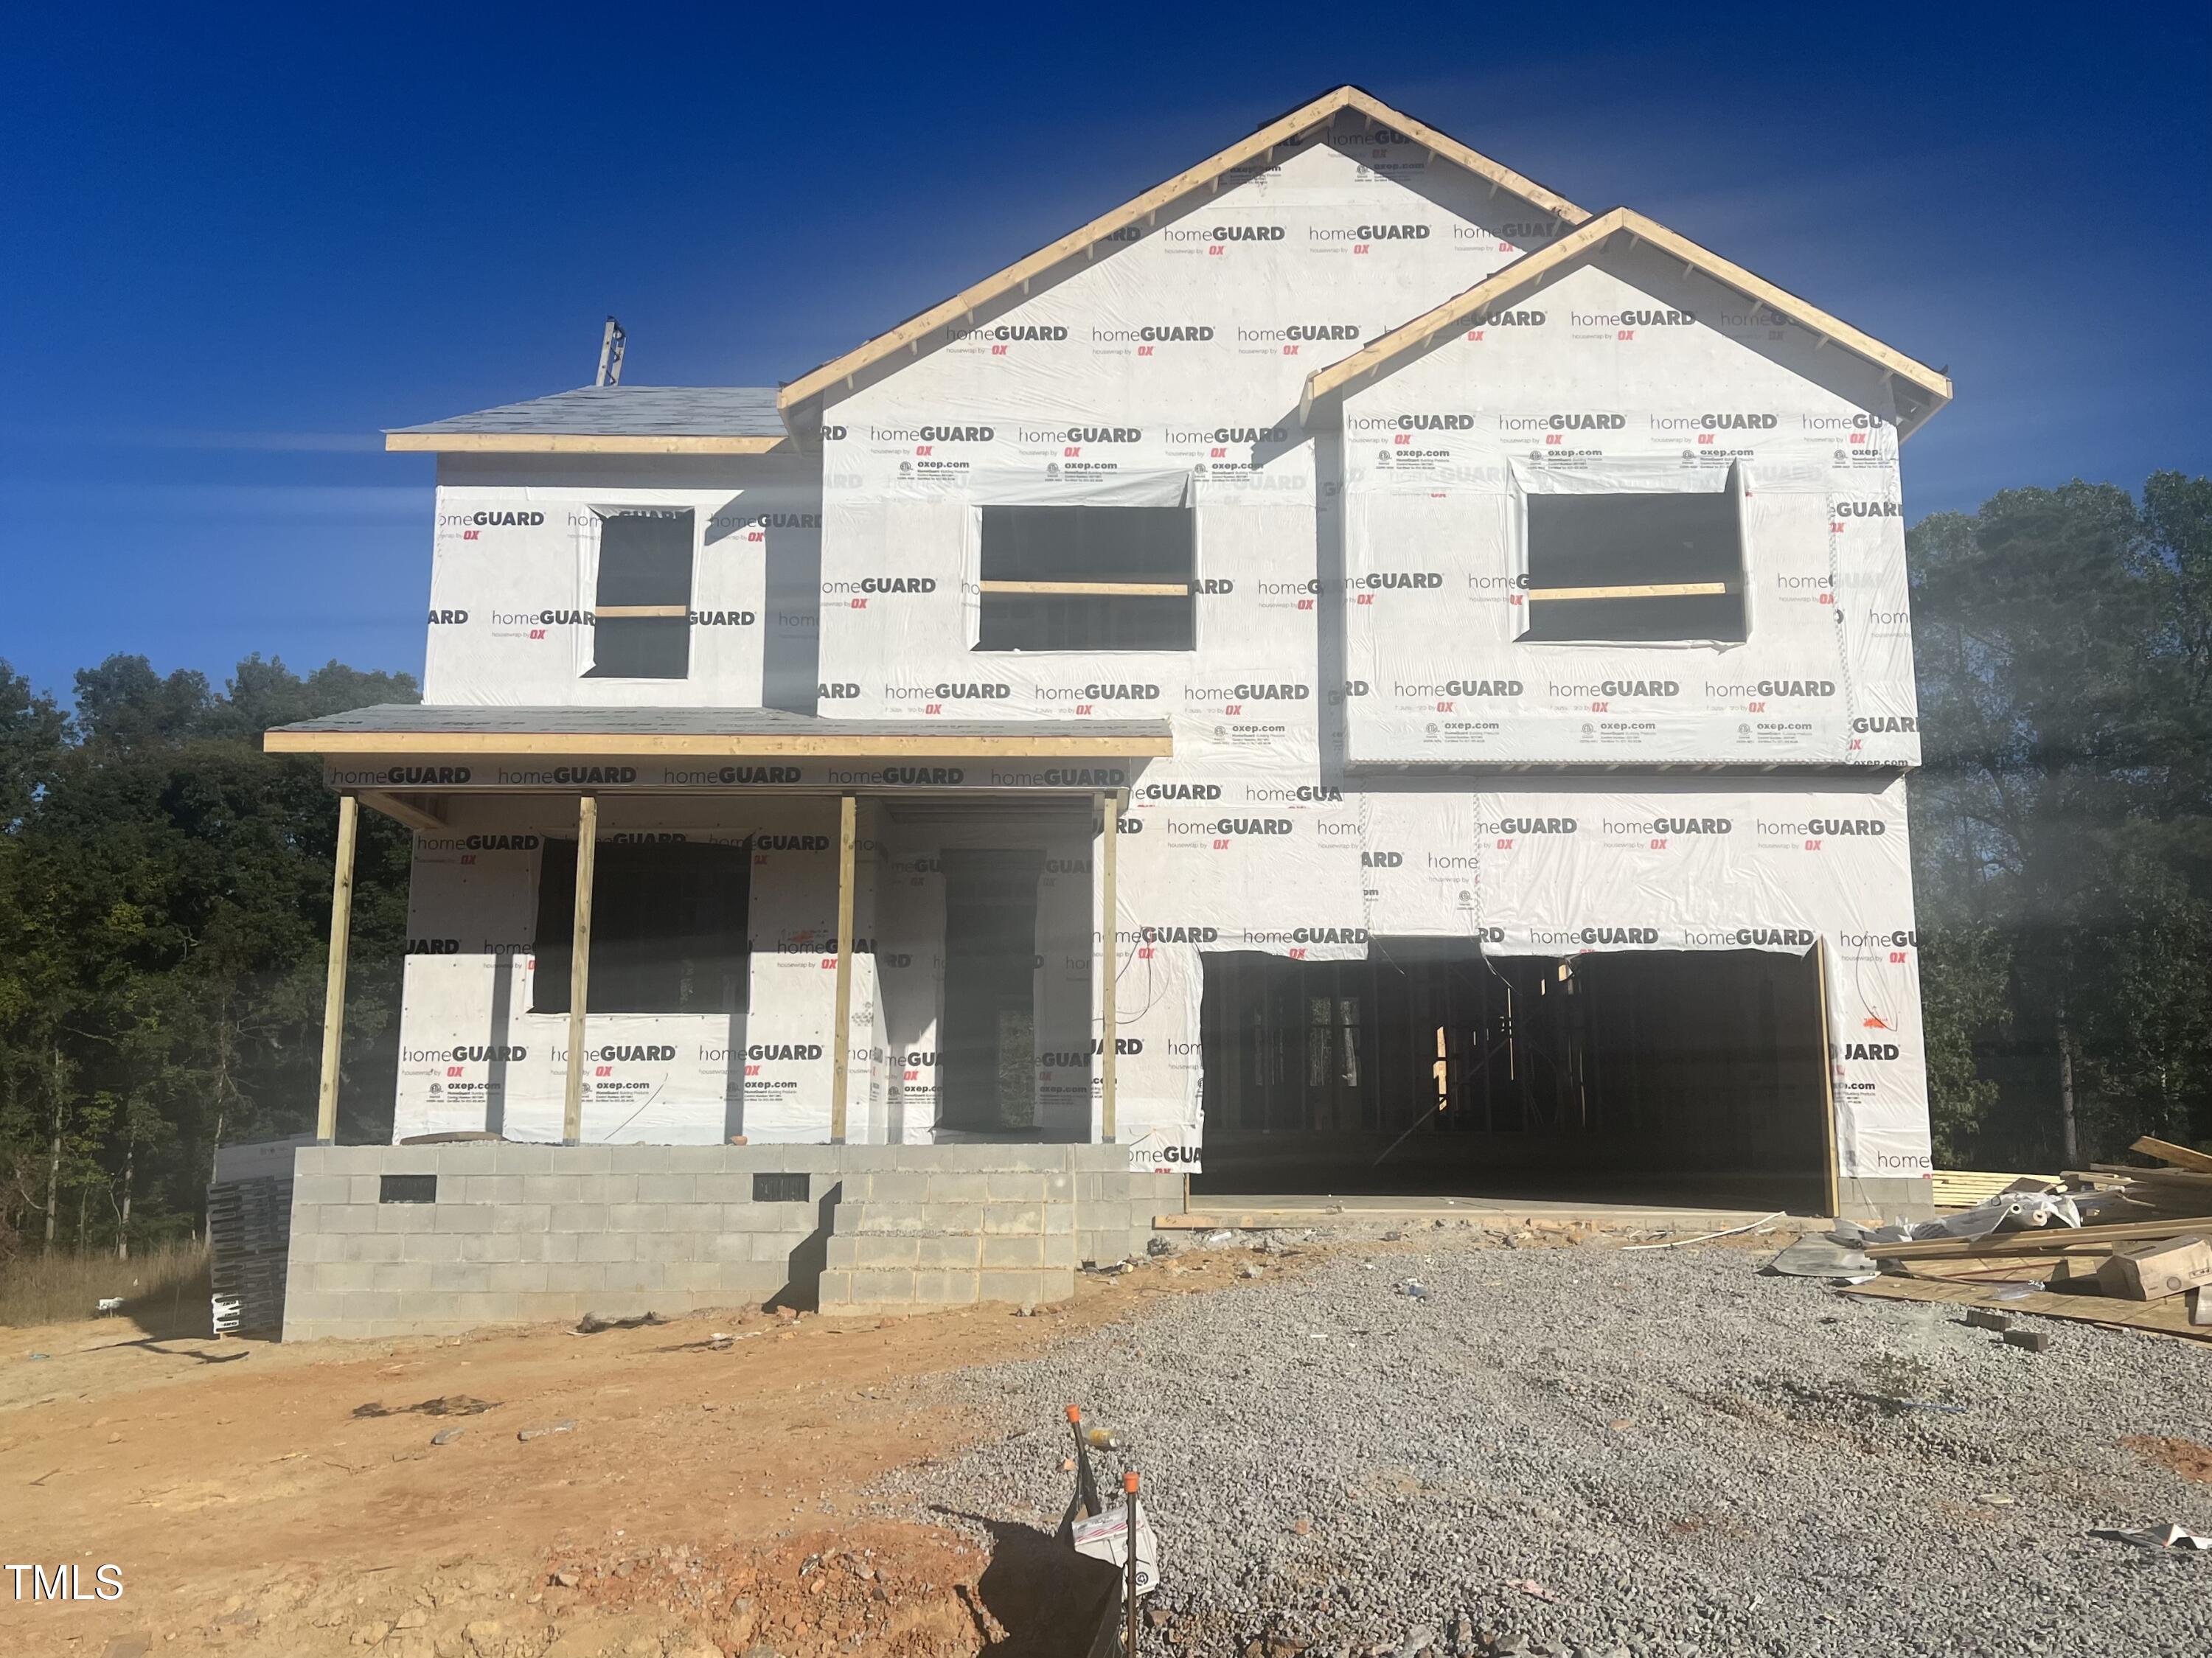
(1262, 1211)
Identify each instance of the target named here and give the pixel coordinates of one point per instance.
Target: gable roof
(1382, 355)
(617, 420)
(1208, 173)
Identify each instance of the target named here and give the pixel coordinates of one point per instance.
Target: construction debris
(591, 1324)
(2054, 1253)
(2163, 1537)
(2145, 1272)
(1820, 1257)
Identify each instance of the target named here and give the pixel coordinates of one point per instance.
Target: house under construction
(1348, 672)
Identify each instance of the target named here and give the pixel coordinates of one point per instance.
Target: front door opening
(987, 1042)
(1680, 1077)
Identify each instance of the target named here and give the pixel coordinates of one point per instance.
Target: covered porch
(713, 926)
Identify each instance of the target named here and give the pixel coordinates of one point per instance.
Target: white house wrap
(1358, 378)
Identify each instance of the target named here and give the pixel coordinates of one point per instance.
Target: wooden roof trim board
(578, 443)
(1380, 356)
(698, 745)
(1153, 201)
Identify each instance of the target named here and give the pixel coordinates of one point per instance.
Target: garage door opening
(1684, 1078)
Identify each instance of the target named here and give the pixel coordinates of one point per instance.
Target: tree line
(165, 892)
(2062, 824)
(165, 885)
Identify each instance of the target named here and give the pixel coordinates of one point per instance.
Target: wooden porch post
(1109, 811)
(841, 1038)
(334, 981)
(579, 968)
(1827, 1077)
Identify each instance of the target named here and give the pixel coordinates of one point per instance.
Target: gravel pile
(1582, 1451)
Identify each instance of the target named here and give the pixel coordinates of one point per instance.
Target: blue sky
(237, 246)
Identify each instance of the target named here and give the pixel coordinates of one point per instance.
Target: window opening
(668, 927)
(641, 614)
(1087, 579)
(1636, 566)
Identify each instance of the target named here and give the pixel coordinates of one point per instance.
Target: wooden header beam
(579, 443)
(424, 819)
(803, 746)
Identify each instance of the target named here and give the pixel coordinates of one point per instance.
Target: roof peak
(1287, 128)
(1588, 241)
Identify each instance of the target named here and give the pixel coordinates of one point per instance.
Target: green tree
(164, 917)
(2063, 641)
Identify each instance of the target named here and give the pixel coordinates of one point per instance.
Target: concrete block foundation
(528, 1233)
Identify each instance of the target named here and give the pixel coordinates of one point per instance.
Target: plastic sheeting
(1556, 870)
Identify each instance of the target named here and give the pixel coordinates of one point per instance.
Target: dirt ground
(702, 1504)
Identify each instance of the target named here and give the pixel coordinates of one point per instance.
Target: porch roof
(727, 733)
(629, 420)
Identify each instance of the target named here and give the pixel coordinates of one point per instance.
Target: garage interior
(1685, 1077)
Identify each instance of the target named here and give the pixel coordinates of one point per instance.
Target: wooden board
(1651, 590)
(2180, 1155)
(2184, 1177)
(2007, 1269)
(826, 745)
(422, 815)
(1962, 1188)
(1121, 589)
(2167, 1317)
(2039, 1242)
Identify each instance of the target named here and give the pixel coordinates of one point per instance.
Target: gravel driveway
(1577, 1450)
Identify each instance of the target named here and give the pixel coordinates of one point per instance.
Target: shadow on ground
(1048, 1599)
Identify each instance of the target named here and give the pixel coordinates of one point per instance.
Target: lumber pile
(1963, 1188)
(2142, 1259)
